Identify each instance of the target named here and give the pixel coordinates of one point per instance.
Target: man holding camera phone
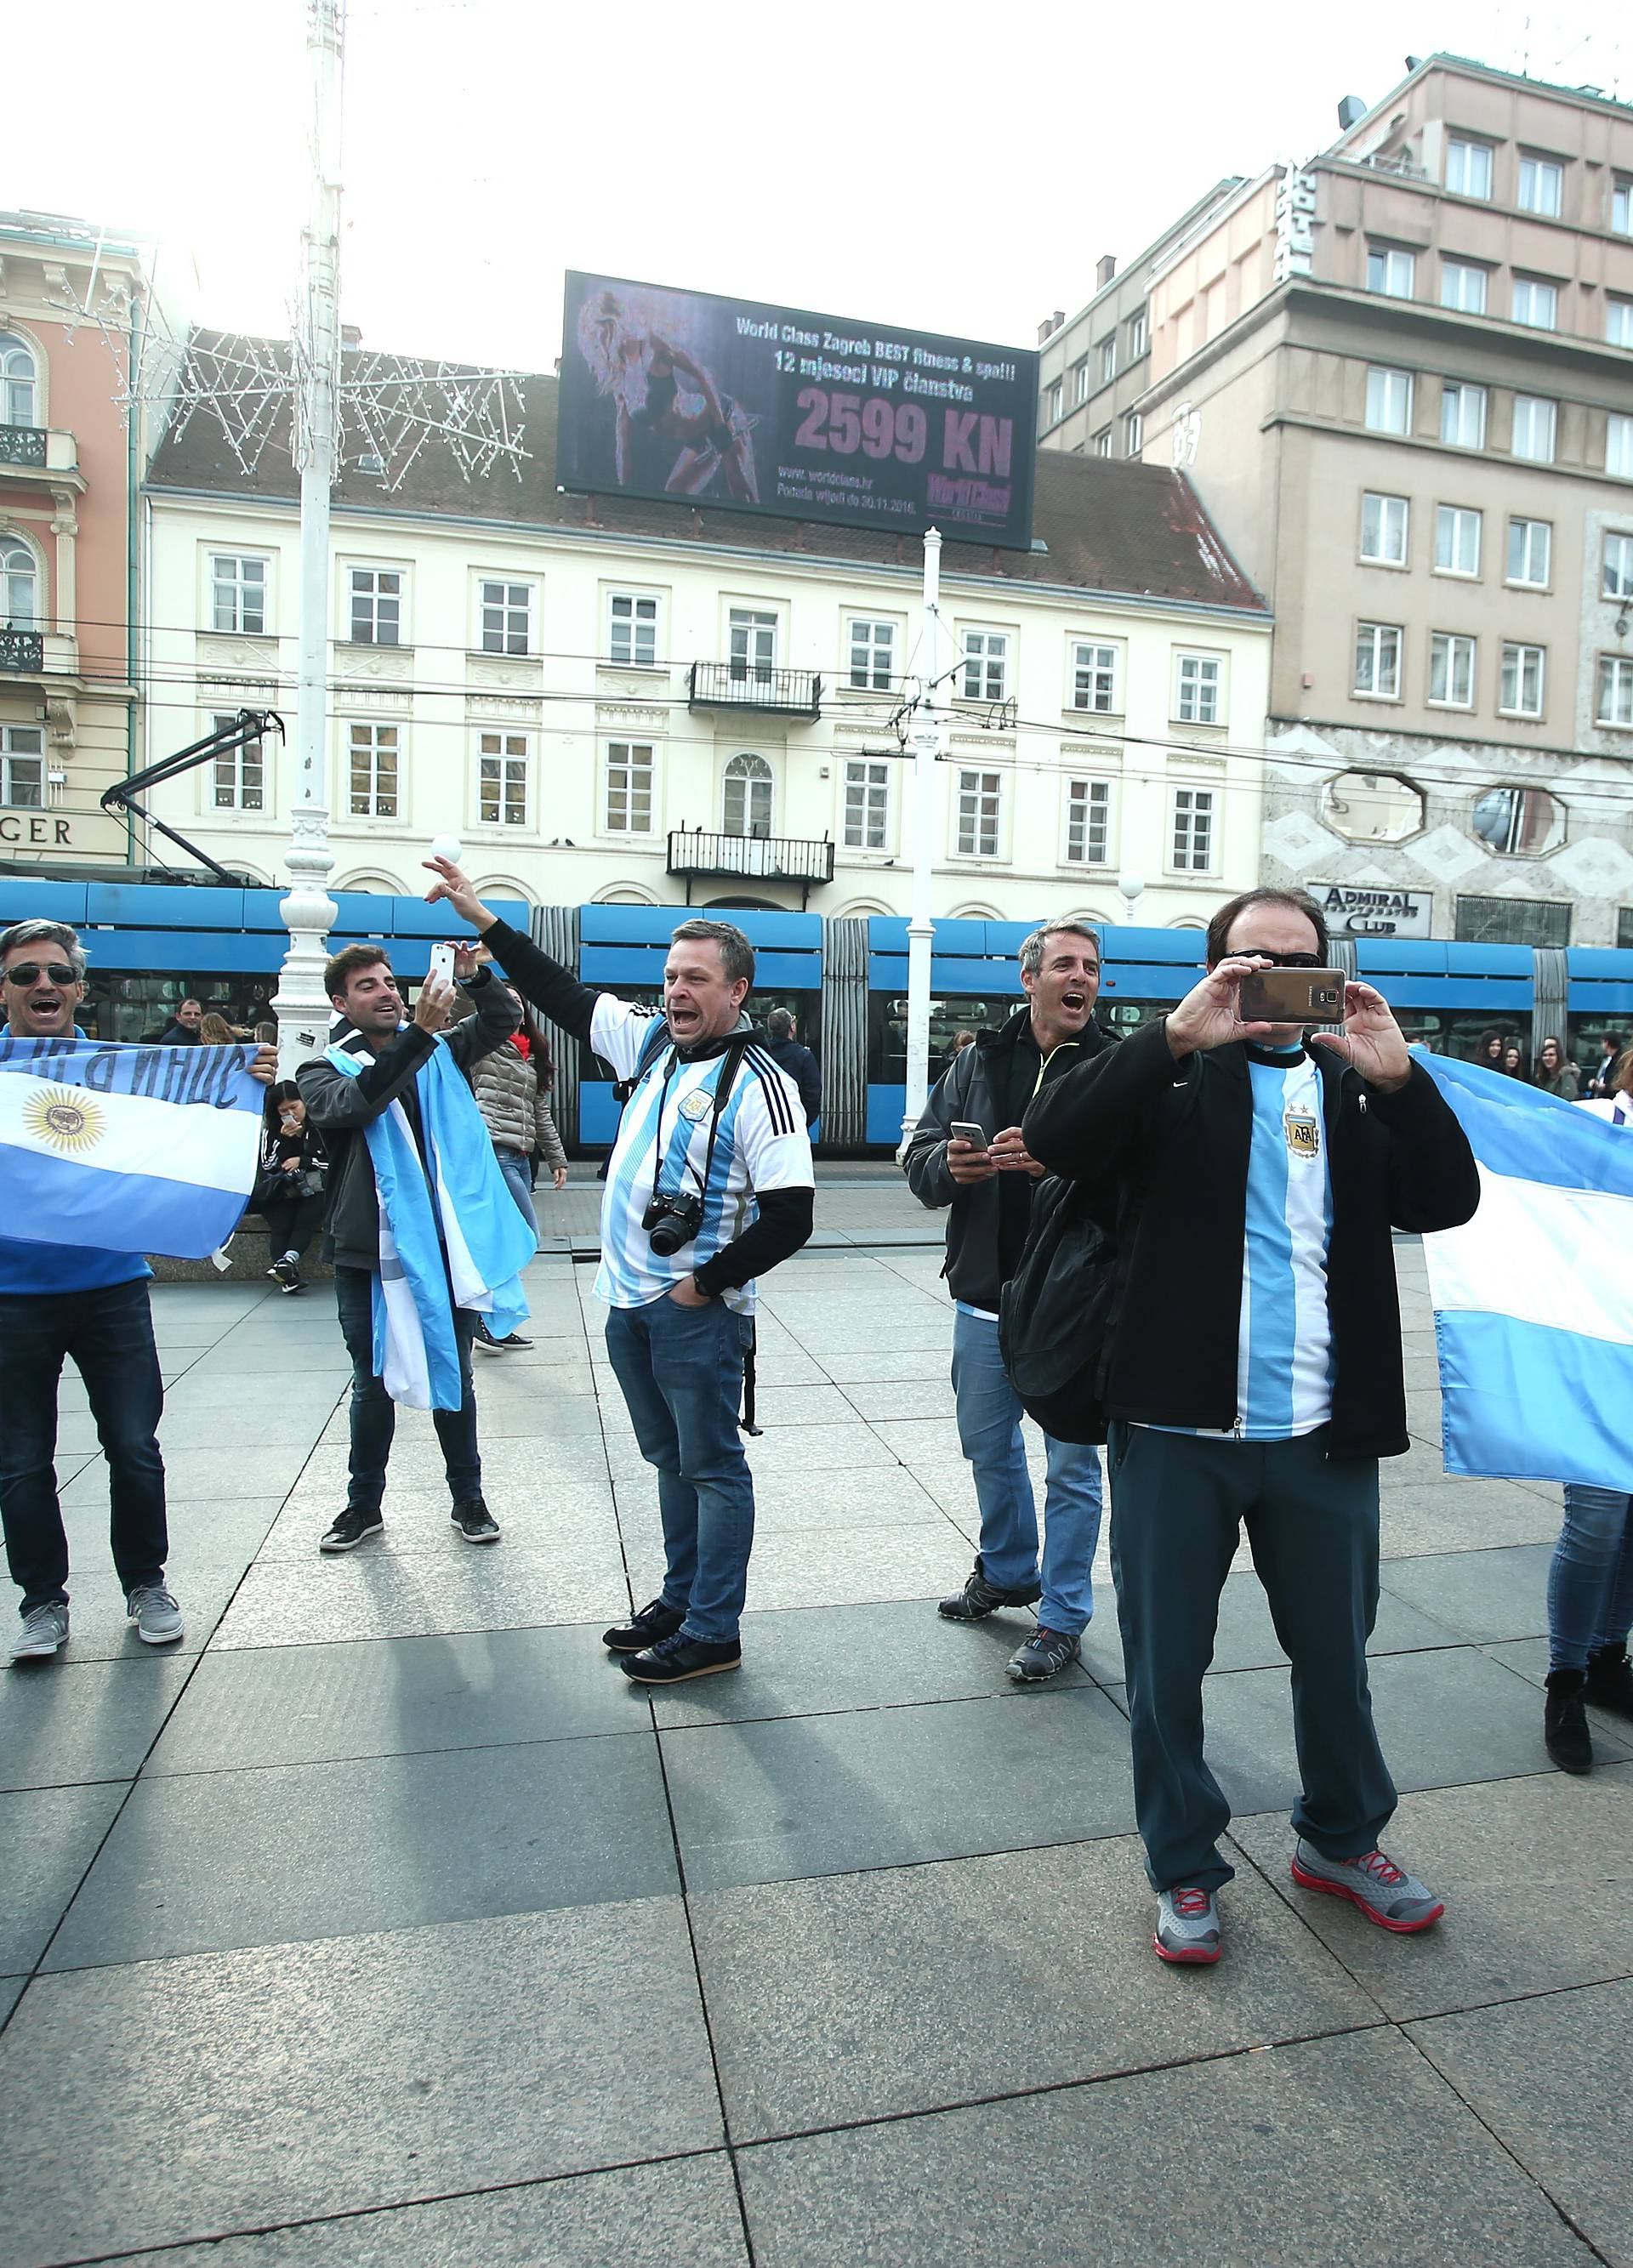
(709, 1185)
(1254, 1374)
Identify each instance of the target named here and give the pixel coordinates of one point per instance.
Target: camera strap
(731, 1064)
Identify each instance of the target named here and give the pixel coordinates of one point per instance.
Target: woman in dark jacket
(292, 1185)
(1555, 1074)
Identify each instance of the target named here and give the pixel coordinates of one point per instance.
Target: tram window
(951, 1014)
(117, 1007)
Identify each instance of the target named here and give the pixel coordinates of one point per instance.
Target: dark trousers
(107, 1334)
(1178, 1502)
(374, 1414)
(291, 1223)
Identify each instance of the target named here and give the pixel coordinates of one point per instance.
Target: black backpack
(1054, 1315)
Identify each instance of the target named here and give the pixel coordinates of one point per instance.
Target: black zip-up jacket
(342, 1107)
(1162, 1148)
(977, 1087)
(801, 1065)
(785, 1217)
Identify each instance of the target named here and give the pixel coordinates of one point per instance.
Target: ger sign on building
(735, 404)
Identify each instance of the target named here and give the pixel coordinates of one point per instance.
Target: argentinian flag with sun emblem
(133, 1149)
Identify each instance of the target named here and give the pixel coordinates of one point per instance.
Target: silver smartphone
(965, 1130)
(442, 962)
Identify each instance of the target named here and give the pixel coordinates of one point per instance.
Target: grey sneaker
(1385, 1894)
(1045, 1654)
(1187, 1925)
(156, 1614)
(44, 1629)
(980, 1598)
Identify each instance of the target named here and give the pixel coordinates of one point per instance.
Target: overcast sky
(958, 168)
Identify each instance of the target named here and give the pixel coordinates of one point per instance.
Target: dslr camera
(671, 1222)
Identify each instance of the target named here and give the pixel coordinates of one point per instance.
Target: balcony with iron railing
(22, 652)
(758, 858)
(28, 451)
(755, 685)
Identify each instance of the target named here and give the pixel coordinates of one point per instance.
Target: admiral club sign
(1355, 909)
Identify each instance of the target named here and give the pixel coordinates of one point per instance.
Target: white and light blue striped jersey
(762, 1144)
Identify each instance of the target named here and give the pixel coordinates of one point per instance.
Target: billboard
(690, 398)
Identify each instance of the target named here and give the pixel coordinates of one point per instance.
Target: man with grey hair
(988, 1186)
(73, 1301)
(709, 1184)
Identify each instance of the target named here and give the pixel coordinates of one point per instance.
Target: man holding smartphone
(967, 1153)
(1254, 1378)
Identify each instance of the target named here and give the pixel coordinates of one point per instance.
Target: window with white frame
(753, 637)
(1614, 705)
(1378, 661)
(1451, 670)
(1621, 205)
(1094, 677)
(867, 804)
(1530, 552)
(22, 767)
(1103, 442)
(1054, 405)
(1196, 689)
(1617, 581)
(1541, 184)
(1619, 446)
(1080, 382)
(1385, 526)
(1139, 334)
(18, 380)
(373, 750)
(872, 667)
(986, 665)
(20, 585)
(1463, 415)
(506, 617)
(1391, 270)
(1088, 822)
(1192, 837)
(1468, 167)
(628, 802)
(504, 761)
(1520, 691)
(238, 593)
(1457, 539)
(1534, 421)
(1536, 303)
(746, 797)
(376, 606)
(980, 805)
(240, 775)
(1133, 433)
(1619, 322)
(632, 629)
(1388, 400)
(1108, 359)
(1463, 286)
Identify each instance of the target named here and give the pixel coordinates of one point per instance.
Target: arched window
(18, 376)
(748, 799)
(20, 585)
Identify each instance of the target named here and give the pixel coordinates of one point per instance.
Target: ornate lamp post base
(302, 1008)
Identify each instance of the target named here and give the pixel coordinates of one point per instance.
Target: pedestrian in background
(785, 1050)
(961, 1040)
(1488, 1054)
(184, 1030)
(1555, 1074)
(292, 1186)
(512, 1087)
(214, 1031)
(1610, 1048)
(1513, 1063)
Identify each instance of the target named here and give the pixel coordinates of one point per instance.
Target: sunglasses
(30, 972)
(1280, 959)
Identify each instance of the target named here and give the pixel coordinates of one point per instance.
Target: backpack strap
(652, 1047)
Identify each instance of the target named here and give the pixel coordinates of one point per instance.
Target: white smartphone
(442, 962)
(965, 1130)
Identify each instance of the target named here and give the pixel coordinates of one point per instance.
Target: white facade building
(643, 703)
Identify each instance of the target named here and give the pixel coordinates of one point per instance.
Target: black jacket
(801, 1065)
(977, 1087)
(341, 1106)
(1163, 1149)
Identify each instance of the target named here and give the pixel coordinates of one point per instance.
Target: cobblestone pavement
(387, 1922)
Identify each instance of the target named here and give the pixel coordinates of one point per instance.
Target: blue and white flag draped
(127, 1148)
(1533, 1297)
(482, 1235)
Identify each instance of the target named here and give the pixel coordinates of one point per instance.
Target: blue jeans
(513, 1165)
(681, 1373)
(107, 1334)
(1590, 1581)
(374, 1414)
(989, 1435)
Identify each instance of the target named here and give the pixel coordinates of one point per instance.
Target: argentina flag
(1533, 1297)
(132, 1149)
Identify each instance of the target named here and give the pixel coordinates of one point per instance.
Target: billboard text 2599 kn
(686, 396)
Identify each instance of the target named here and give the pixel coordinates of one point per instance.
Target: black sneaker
(1565, 1733)
(354, 1526)
(980, 1598)
(653, 1623)
(484, 1341)
(475, 1522)
(515, 1340)
(286, 1273)
(675, 1658)
(1610, 1680)
(1045, 1654)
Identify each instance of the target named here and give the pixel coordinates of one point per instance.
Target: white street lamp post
(929, 741)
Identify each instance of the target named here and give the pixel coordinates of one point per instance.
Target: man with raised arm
(709, 1185)
(1252, 1376)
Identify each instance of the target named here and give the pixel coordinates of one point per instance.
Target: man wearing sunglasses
(89, 1305)
(1253, 1378)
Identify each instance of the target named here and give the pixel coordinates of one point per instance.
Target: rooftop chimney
(1104, 268)
(351, 335)
(1351, 111)
(1050, 325)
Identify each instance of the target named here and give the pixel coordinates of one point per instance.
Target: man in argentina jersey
(713, 1134)
(1253, 1379)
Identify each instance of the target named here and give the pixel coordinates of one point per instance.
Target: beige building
(1401, 378)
